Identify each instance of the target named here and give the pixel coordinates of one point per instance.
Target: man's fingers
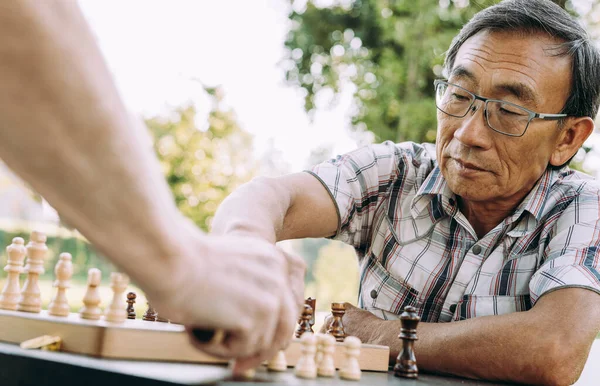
(326, 323)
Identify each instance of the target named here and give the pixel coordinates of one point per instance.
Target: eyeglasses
(501, 116)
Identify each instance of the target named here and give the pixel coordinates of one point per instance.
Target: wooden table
(40, 368)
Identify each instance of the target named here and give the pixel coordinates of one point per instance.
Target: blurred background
(234, 89)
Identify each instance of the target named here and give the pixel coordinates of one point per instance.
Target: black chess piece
(304, 321)
(406, 363)
(130, 302)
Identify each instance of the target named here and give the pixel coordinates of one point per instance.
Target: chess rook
(325, 365)
(351, 369)
(336, 328)
(30, 299)
(63, 271)
(91, 299)
(304, 321)
(406, 363)
(116, 311)
(14, 266)
(306, 366)
(130, 302)
(151, 315)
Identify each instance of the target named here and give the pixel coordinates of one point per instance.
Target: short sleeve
(572, 257)
(357, 183)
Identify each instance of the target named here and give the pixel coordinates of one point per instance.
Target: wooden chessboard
(138, 339)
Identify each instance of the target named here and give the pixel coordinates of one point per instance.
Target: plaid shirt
(416, 248)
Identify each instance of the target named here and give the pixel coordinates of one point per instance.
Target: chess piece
(319, 355)
(91, 299)
(304, 321)
(351, 369)
(14, 266)
(30, 300)
(59, 305)
(151, 315)
(313, 304)
(306, 366)
(325, 365)
(336, 328)
(406, 363)
(116, 311)
(279, 363)
(130, 302)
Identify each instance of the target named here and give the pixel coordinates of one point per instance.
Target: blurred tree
(336, 275)
(203, 166)
(387, 52)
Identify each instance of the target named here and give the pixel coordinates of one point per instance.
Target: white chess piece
(59, 306)
(30, 300)
(351, 369)
(11, 291)
(306, 366)
(278, 363)
(326, 367)
(91, 299)
(116, 312)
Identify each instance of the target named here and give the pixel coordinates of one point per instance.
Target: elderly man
(488, 234)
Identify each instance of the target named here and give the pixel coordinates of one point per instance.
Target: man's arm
(66, 132)
(548, 344)
(275, 209)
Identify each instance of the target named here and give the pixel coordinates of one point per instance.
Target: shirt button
(451, 201)
(476, 250)
(373, 294)
(452, 308)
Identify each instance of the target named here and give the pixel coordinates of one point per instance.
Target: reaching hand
(247, 287)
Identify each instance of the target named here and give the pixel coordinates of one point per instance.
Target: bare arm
(66, 132)
(548, 344)
(288, 207)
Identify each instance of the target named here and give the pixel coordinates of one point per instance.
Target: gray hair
(544, 16)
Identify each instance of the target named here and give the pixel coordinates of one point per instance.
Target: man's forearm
(257, 208)
(505, 347)
(66, 131)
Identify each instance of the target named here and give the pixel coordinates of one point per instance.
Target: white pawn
(59, 306)
(279, 363)
(91, 299)
(326, 367)
(306, 366)
(11, 291)
(351, 369)
(117, 309)
(31, 300)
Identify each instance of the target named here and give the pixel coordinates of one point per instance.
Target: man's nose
(472, 130)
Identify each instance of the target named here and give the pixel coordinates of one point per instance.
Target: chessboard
(113, 333)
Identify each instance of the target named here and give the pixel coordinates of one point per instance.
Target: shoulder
(579, 193)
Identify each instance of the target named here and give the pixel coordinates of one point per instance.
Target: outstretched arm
(66, 132)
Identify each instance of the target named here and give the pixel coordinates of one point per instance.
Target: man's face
(479, 163)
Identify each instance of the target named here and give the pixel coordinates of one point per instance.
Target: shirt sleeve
(357, 182)
(572, 257)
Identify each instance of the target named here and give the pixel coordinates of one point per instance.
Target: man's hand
(360, 323)
(257, 295)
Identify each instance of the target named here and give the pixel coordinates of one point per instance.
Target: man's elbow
(562, 363)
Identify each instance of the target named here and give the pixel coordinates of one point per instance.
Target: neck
(484, 216)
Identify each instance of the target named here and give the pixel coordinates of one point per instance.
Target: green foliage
(202, 167)
(391, 51)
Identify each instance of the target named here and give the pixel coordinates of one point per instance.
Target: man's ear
(571, 138)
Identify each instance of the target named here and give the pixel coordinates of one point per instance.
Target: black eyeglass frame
(532, 114)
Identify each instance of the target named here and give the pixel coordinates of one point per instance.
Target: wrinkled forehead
(525, 65)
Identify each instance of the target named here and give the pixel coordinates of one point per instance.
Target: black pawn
(151, 315)
(406, 363)
(130, 302)
(304, 321)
